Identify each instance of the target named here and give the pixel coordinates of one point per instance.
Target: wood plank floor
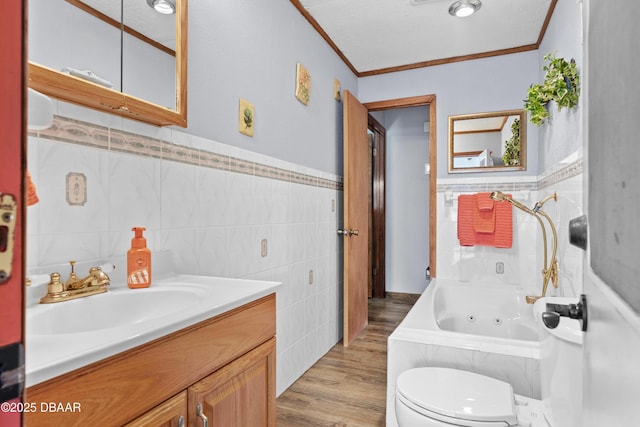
(347, 387)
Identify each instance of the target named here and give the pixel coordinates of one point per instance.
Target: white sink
(64, 336)
(112, 309)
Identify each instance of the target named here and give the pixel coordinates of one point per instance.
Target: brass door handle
(348, 232)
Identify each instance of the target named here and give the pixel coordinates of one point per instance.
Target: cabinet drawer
(166, 414)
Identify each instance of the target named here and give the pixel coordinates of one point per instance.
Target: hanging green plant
(511, 156)
(561, 84)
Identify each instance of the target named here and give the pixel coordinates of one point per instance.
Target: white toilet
(443, 397)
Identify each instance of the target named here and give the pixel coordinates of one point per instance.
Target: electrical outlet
(500, 267)
(333, 205)
(311, 277)
(263, 248)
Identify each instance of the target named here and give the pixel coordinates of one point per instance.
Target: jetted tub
(479, 327)
(498, 311)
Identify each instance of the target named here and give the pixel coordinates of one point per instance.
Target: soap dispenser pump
(138, 261)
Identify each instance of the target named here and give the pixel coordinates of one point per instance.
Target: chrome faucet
(549, 271)
(96, 282)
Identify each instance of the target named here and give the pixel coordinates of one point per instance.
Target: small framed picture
(246, 117)
(303, 84)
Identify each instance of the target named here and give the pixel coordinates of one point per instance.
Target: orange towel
(501, 237)
(32, 194)
(466, 233)
(485, 202)
(484, 219)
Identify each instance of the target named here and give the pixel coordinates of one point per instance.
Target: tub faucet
(96, 282)
(550, 270)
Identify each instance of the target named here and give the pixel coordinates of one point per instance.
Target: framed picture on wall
(246, 117)
(303, 84)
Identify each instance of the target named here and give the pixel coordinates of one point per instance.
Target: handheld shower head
(497, 195)
(500, 196)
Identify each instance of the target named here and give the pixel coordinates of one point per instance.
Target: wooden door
(12, 102)
(240, 394)
(357, 186)
(611, 376)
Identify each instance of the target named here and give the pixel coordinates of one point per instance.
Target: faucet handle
(55, 286)
(551, 317)
(72, 276)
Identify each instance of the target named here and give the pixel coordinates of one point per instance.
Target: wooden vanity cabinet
(225, 364)
(238, 394)
(172, 413)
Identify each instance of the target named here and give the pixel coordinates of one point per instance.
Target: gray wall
(562, 135)
(407, 190)
(498, 83)
(249, 49)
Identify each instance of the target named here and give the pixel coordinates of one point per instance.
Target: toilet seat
(458, 397)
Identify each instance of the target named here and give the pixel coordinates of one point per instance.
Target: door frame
(377, 236)
(417, 101)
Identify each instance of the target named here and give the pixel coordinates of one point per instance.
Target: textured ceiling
(375, 36)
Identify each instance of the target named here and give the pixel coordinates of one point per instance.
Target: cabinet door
(240, 394)
(172, 413)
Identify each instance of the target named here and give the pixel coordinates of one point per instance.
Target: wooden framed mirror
(488, 142)
(68, 38)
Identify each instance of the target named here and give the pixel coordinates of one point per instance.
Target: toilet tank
(560, 366)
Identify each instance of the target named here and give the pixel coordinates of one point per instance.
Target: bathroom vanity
(220, 366)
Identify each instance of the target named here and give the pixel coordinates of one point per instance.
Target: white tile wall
(212, 220)
(524, 260)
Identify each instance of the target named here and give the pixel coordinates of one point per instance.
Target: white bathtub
(480, 327)
(482, 309)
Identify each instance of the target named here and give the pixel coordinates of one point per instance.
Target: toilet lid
(458, 394)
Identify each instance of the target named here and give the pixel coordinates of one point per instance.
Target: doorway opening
(378, 287)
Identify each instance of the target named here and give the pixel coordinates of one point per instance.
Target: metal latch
(11, 371)
(8, 214)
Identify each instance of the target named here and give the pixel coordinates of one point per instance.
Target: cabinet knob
(181, 421)
(200, 414)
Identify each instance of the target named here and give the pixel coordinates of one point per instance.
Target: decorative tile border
(214, 160)
(241, 166)
(77, 132)
(88, 134)
(566, 172)
(480, 187)
(569, 171)
(132, 143)
(180, 153)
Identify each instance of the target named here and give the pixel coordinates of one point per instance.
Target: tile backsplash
(211, 205)
(522, 263)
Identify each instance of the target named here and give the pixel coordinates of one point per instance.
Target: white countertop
(51, 354)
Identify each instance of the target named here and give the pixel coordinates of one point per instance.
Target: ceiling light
(166, 7)
(464, 8)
